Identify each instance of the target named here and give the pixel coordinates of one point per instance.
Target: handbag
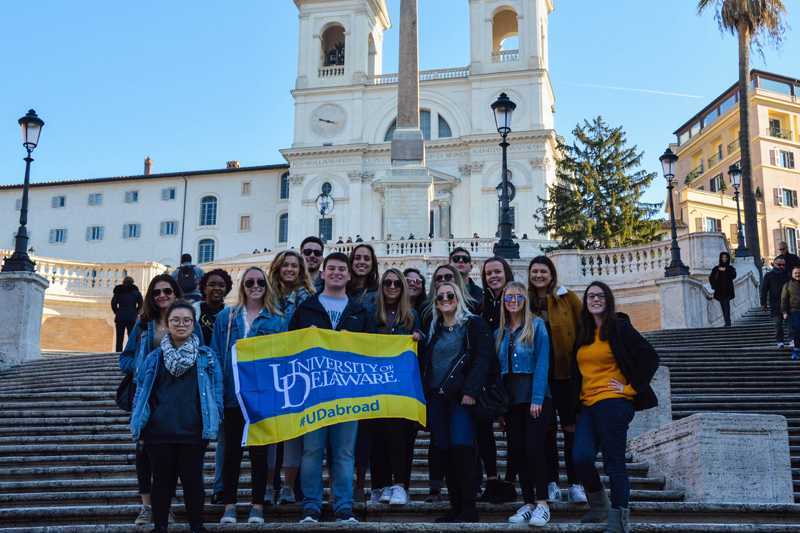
(126, 392)
(492, 403)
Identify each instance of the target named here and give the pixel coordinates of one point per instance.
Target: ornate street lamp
(735, 174)
(19, 260)
(676, 266)
(503, 110)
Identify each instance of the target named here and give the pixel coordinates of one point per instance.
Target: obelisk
(407, 184)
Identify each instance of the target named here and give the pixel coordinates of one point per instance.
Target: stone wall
(82, 334)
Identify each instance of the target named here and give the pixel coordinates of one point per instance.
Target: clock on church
(328, 121)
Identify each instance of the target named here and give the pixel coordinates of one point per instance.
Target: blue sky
(194, 84)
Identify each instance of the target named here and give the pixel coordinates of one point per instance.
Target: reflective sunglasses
(167, 292)
(250, 282)
(414, 281)
(308, 252)
(181, 322)
(460, 259)
(445, 277)
(511, 297)
(450, 297)
(388, 283)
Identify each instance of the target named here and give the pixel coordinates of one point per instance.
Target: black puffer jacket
(355, 318)
(126, 303)
(722, 280)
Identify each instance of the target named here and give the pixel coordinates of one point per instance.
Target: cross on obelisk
(407, 184)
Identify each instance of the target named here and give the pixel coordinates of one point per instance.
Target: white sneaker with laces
(553, 493)
(386, 495)
(523, 515)
(576, 494)
(399, 496)
(375, 496)
(541, 516)
(780, 345)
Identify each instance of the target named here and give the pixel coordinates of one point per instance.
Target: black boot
(453, 488)
(464, 459)
(491, 491)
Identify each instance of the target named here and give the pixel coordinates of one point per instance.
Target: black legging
(435, 464)
(560, 390)
(169, 462)
(121, 328)
(144, 471)
(487, 447)
(259, 463)
(526, 436)
(392, 446)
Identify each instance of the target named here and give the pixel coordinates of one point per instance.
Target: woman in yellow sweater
(612, 366)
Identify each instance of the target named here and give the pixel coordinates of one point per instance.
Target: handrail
(734, 146)
(779, 133)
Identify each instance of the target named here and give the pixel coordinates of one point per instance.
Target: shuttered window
(59, 201)
(205, 251)
(169, 227)
(208, 211)
(94, 233)
(244, 223)
(168, 194)
(131, 197)
(131, 231)
(95, 199)
(58, 235)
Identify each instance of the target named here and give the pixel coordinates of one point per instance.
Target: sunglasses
(250, 282)
(389, 283)
(309, 252)
(450, 297)
(511, 298)
(181, 322)
(445, 277)
(598, 296)
(414, 281)
(460, 259)
(167, 292)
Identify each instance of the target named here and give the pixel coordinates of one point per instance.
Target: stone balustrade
(505, 55)
(425, 75)
(335, 70)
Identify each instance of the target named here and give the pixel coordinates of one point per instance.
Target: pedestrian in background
(791, 259)
(772, 287)
(126, 305)
(721, 279)
(790, 307)
(188, 277)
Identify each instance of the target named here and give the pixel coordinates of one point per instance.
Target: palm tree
(753, 21)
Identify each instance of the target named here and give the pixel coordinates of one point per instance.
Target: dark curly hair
(201, 285)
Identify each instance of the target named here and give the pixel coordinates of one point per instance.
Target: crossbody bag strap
(227, 342)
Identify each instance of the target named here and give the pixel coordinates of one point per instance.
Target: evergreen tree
(595, 201)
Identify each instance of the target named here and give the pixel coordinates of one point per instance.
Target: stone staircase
(67, 462)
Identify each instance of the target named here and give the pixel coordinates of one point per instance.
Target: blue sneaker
(795, 355)
(345, 514)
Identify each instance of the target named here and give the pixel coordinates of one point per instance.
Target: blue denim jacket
(292, 301)
(264, 324)
(529, 359)
(209, 383)
(132, 357)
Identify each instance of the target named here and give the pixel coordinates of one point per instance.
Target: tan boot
(598, 507)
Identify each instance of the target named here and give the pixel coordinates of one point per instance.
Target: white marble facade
(342, 115)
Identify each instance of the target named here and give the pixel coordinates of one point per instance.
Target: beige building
(708, 144)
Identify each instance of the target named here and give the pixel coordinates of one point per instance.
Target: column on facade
(354, 208)
(296, 235)
(444, 218)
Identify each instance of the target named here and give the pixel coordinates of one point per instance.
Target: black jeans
(170, 461)
(392, 447)
(560, 390)
(487, 447)
(526, 436)
(121, 328)
(144, 471)
(259, 463)
(725, 303)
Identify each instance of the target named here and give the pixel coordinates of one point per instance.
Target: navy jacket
(126, 303)
(355, 318)
(771, 286)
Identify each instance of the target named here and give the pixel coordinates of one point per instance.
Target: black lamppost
(19, 260)
(735, 174)
(676, 266)
(503, 109)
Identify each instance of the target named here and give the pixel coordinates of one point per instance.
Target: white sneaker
(576, 494)
(541, 516)
(376, 496)
(780, 345)
(269, 496)
(523, 515)
(791, 344)
(399, 496)
(287, 495)
(553, 493)
(386, 495)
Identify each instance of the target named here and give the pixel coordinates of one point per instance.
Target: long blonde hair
(527, 335)
(405, 317)
(457, 280)
(303, 278)
(462, 310)
(268, 301)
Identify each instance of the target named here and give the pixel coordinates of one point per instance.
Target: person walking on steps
(792, 260)
(456, 365)
(126, 304)
(790, 307)
(612, 367)
(772, 287)
(523, 352)
(176, 411)
(188, 277)
(721, 279)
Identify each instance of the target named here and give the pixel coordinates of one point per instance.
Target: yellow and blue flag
(293, 383)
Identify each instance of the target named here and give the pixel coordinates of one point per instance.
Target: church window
(283, 228)
(205, 251)
(390, 132)
(326, 229)
(424, 125)
(444, 128)
(208, 211)
(285, 186)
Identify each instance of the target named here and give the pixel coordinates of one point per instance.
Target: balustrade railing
(505, 55)
(336, 70)
(426, 75)
(714, 159)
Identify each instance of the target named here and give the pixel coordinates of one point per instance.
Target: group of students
(555, 354)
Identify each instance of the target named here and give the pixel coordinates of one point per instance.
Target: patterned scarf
(180, 360)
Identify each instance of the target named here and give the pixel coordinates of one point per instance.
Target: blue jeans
(604, 425)
(450, 422)
(219, 459)
(343, 442)
(795, 317)
(726, 310)
(779, 323)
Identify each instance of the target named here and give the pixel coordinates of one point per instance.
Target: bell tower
(341, 41)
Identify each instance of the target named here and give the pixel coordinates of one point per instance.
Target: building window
(790, 236)
(168, 194)
(424, 125)
(713, 224)
(95, 199)
(18, 204)
(59, 201)
(131, 231)
(58, 235)
(169, 227)
(208, 211)
(131, 197)
(94, 233)
(716, 183)
(205, 251)
(444, 129)
(787, 159)
(326, 229)
(789, 198)
(283, 228)
(246, 188)
(285, 186)
(244, 223)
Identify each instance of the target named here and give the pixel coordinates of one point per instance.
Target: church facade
(345, 116)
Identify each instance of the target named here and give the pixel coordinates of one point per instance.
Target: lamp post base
(741, 252)
(18, 263)
(507, 249)
(676, 269)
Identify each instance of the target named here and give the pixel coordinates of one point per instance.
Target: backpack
(186, 279)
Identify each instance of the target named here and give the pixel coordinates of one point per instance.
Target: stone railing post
(21, 308)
